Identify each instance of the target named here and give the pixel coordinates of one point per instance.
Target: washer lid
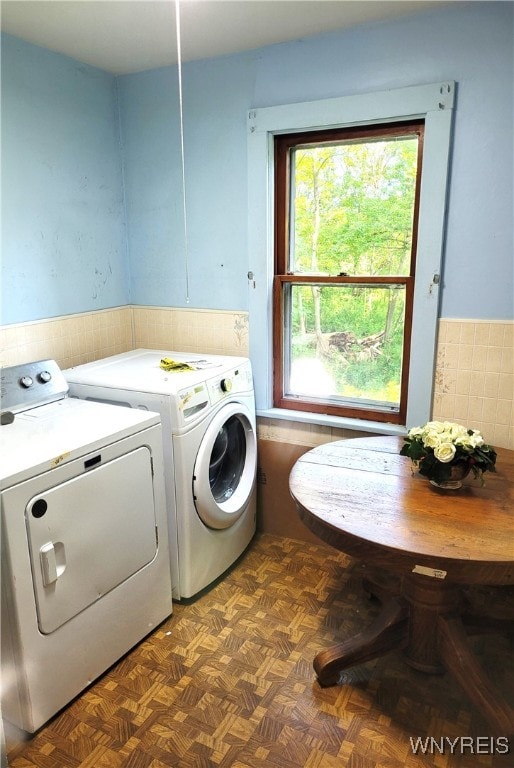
(44, 437)
(140, 371)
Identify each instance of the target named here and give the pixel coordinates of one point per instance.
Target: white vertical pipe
(182, 153)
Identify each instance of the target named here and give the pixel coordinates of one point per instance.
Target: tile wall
(474, 380)
(77, 339)
(187, 330)
(70, 340)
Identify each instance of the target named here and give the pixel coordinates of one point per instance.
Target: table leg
(428, 599)
(438, 643)
(425, 621)
(387, 631)
(463, 665)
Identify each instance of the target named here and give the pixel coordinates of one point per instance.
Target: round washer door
(224, 473)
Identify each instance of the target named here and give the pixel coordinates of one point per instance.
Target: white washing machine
(210, 450)
(85, 561)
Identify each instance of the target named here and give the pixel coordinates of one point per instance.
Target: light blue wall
(217, 94)
(150, 140)
(64, 244)
(469, 43)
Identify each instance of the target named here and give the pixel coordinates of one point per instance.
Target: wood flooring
(227, 681)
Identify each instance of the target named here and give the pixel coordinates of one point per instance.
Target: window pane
(346, 343)
(352, 207)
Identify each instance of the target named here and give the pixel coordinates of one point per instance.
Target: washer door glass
(225, 467)
(227, 459)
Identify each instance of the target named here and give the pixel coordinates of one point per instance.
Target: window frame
(283, 145)
(434, 103)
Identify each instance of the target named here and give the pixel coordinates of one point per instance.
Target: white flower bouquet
(440, 446)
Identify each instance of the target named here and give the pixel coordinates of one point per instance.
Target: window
(346, 204)
(304, 297)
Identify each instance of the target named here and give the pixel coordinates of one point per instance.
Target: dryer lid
(43, 438)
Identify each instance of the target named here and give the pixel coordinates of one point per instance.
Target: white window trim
(432, 102)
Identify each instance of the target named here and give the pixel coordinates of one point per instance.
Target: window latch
(436, 279)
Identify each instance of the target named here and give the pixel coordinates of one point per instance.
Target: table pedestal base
(387, 631)
(424, 621)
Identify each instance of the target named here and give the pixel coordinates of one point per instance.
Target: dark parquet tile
(227, 682)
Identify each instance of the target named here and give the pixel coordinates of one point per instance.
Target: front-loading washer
(85, 561)
(207, 409)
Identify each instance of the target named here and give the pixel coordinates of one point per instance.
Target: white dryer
(210, 450)
(85, 562)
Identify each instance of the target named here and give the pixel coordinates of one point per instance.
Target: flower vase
(458, 472)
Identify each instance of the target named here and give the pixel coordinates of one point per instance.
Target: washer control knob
(44, 377)
(226, 385)
(26, 381)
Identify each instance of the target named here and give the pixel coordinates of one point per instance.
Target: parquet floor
(227, 681)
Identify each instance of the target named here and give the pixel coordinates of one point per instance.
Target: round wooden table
(363, 498)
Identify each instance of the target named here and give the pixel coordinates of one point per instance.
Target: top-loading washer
(85, 562)
(207, 409)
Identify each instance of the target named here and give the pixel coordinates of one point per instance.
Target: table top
(365, 499)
